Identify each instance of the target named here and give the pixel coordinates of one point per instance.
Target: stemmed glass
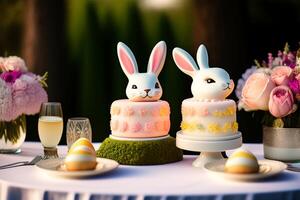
(50, 128)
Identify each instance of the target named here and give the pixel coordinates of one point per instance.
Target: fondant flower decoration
(203, 112)
(164, 111)
(160, 126)
(200, 127)
(114, 125)
(115, 110)
(231, 110)
(191, 111)
(155, 112)
(124, 127)
(217, 114)
(184, 125)
(136, 127)
(208, 83)
(143, 86)
(150, 126)
(143, 112)
(214, 128)
(129, 111)
(235, 126)
(227, 127)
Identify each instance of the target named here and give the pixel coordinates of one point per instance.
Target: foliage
(12, 130)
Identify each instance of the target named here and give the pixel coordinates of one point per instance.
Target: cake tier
(208, 118)
(140, 119)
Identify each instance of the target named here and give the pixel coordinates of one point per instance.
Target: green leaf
(12, 130)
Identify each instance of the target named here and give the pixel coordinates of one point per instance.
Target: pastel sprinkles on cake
(208, 113)
(143, 114)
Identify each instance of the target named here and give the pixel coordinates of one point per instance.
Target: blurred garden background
(75, 41)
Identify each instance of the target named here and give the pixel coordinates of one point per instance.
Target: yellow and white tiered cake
(208, 113)
(208, 118)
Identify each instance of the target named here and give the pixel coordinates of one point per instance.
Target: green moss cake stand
(151, 151)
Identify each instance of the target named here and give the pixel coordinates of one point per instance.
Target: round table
(174, 181)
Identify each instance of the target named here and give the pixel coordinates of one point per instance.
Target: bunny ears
(186, 63)
(129, 64)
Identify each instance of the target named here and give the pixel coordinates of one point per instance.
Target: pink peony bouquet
(21, 92)
(273, 88)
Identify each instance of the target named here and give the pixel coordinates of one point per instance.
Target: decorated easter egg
(81, 156)
(242, 162)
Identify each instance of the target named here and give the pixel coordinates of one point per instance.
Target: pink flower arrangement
(273, 87)
(21, 92)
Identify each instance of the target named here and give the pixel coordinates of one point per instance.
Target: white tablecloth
(176, 181)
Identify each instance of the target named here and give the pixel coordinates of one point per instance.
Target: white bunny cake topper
(143, 86)
(208, 83)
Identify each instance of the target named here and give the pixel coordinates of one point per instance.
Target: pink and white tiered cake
(140, 124)
(131, 119)
(142, 115)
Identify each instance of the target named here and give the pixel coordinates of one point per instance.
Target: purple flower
(288, 62)
(10, 76)
(294, 86)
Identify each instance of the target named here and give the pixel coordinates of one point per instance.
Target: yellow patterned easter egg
(81, 156)
(242, 162)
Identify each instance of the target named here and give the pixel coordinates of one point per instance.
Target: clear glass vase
(12, 135)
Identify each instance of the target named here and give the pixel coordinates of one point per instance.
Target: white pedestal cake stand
(210, 147)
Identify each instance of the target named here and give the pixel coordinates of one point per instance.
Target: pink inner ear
(127, 63)
(158, 54)
(183, 64)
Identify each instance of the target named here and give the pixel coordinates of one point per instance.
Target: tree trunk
(219, 25)
(44, 50)
(43, 42)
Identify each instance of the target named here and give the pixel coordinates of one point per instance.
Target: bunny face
(208, 83)
(213, 83)
(143, 86)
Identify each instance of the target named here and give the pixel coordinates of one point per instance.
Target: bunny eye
(134, 87)
(210, 80)
(156, 85)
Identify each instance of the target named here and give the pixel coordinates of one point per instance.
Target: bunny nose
(147, 90)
